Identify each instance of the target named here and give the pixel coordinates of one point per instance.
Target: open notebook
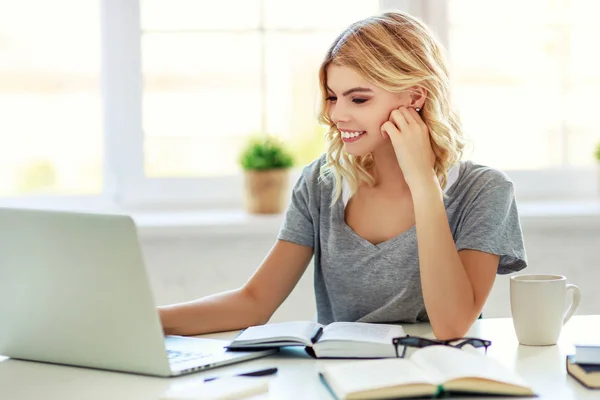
(434, 371)
(336, 340)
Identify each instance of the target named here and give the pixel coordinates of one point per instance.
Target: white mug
(538, 303)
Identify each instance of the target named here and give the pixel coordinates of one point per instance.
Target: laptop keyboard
(182, 356)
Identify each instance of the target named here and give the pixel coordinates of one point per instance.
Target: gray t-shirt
(356, 280)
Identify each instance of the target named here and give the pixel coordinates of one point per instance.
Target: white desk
(542, 367)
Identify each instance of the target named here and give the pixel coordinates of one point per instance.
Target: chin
(363, 146)
(355, 150)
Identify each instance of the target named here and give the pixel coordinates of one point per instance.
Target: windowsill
(206, 222)
(539, 214)
(560, 209)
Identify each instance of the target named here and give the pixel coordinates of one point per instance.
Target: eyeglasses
(415, 341)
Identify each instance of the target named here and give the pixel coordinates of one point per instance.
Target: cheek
(381, 113)
(380, 119)
(369, 117)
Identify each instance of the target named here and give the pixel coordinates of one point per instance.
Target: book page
(361, 376)
(448, 363)
(301, 330)
(361, 332)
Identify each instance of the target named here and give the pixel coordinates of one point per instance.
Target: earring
(418, 109)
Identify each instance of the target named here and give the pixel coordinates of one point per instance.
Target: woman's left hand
(410, 137)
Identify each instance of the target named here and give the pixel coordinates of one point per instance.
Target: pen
(260, 372)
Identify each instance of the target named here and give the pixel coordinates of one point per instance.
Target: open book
(336, 340)
(433, 371)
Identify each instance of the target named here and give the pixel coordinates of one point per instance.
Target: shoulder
(313, 182)
(313, 175)
(473, 176)
(481, 185)
(313, 169)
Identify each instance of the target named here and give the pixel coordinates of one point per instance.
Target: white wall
(184, 268)
(193, 264)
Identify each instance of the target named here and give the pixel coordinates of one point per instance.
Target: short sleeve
(491, 224)
(297, 226)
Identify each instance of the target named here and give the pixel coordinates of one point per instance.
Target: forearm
(235, 309)
(447, 291)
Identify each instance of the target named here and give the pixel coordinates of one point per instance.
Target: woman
(401, 230)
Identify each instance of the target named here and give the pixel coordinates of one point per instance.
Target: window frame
(123, 105)
(125, 185)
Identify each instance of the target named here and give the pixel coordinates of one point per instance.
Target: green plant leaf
(598, 152)
(265, 152)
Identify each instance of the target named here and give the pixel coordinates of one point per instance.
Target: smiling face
(359, 108)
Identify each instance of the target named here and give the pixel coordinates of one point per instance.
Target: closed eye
(355, 101)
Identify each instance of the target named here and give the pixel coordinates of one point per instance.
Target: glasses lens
(460, 342)
(416, 341)
(478, 343)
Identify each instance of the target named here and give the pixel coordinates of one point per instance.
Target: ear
(417, 96)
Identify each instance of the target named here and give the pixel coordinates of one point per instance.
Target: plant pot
(265, 192)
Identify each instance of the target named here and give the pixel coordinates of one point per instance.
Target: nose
(338, 113)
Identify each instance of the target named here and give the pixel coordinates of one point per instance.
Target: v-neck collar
(453, 177)
(340, 214)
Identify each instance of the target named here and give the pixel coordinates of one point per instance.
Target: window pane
(199, 14)
(317, 14)
(581, 149)
(584, 63)
(507, 13)
(206, 92)
(293, 95)
(496, 127)
(51, 126)
(584, 13)
(506, 84)
(201, 96)
(527, 95)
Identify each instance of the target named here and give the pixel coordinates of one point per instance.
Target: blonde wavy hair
(394, 51)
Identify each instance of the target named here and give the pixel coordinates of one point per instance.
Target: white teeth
(348, 135)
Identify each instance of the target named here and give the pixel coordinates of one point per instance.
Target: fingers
(389, 129)
(408, 115)
(399, 119)
(416, 117)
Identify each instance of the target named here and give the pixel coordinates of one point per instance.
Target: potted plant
(266, 162)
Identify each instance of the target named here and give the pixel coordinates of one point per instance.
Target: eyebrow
(353, 90)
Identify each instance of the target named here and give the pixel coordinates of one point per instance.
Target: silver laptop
(74, 291)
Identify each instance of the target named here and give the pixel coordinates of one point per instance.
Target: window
(216, 72)
(526, 80)
(51, 124)
(148, 102)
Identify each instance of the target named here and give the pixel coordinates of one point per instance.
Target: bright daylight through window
(525, 75)
(51, 124)
(212, 77)
(527, 78)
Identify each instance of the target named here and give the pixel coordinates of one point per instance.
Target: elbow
(454, 324)
(450, 332)
(262, 321)
(452, 329)
(260, 314)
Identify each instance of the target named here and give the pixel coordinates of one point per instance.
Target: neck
(387, 170)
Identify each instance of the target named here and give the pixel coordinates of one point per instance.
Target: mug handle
(574, 303)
